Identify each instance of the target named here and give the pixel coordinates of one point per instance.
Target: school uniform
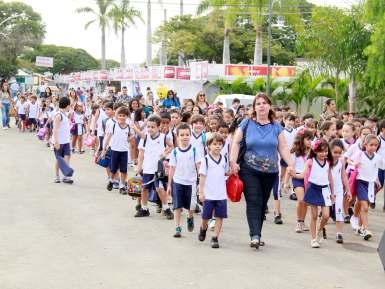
(367, 176)
(299, 167)
(289, 135)
(78, 128)
(185, 177)
(153, 147)
(21, 108)
(33, 109)
(119, 147)
(215, 186)
(101, 127)
(338, 187)
(199, 142)
(381, 154)
(353, 153)
(318, 191)
(347, 144)
(63, 136)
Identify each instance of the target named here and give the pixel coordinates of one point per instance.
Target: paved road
(56, 236)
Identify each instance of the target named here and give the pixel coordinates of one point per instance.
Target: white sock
(144, 207)
(165, 206)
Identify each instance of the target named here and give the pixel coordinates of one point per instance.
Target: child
(175, 119)
(367, 181)
(119, 134)
(61, 137)
(224, 131)
(348, 133)
(184, 164)
(381, 153)
(79, 128)
(319, 190)
(33, 109)
(212, 188)
(328, 130)
(21, 107)
(341, 185)
(228, 116)
(213, 124)
(300, 151)
(105, 115)
(152, 148)
(198, 136)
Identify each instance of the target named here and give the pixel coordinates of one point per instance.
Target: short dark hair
(236, 100)
(64, 102)
(215, 137)
(165, 114)
(290, 116)
(182, 126)
(197, 118)
(154, 118)
(381, 124)
(124, 87)
(109, 104)
(307, 116)
(123, 110)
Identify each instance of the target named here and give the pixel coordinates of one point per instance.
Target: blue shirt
(262, 145)
(169, 102)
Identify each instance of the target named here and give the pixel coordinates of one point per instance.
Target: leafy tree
(101, 16)
(110, 63)
(66, 59)
(20, 27)
(123, 16)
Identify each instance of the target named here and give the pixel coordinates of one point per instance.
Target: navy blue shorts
(362, 190)
(32, 121)
(148, 182)
(119, 161)
(64, 150)
(101, 139)
(181, 196)
(298, 183)
(22, 116)
(283, 163)
(218, 208)
(381, 176)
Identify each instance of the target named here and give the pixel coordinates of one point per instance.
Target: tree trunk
(149, 34)
(352, 94)
(336, 89)
(258, 49)
(123, 51)
(103, 61)
(226, 47)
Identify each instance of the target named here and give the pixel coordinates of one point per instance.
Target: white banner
(44, 61)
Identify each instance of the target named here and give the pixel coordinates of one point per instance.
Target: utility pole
(149, 35)
(268, 92)
(180, 53)
(181, 8)
(163, 51)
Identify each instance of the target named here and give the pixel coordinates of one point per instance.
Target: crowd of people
(182, 153)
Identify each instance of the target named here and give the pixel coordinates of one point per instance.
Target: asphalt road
(80, 236)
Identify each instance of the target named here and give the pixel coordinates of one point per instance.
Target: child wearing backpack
(319, 188)
(152, 148)
(118, 137)
(184, 164)
(212, 187)
(198, 135)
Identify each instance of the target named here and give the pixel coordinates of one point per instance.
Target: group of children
(182, 159)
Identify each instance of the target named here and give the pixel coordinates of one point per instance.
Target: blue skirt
(298, 183)
(314, 196)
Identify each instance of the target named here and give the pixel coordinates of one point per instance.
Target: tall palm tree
(101, 16)
(123, 16)
(230, 9)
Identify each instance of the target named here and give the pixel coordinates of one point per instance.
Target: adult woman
(330, 110)
(6, 101)
(74, 99)
(47, 93)
(258, 166)
(201, 102)
(171, 101)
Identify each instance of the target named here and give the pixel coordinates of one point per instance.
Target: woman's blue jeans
(5, 114)
(257, 188)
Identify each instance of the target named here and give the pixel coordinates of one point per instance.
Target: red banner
(259, 70)
(169, 72)
(183, 73)
(237, 70)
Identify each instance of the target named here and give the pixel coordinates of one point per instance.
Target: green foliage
(66, 59)
(110, 63)
(7, 68)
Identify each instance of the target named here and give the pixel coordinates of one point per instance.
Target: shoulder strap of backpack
(207, 163)
(165, 141)
(204, 139)
(174, 152)
(145, 141)
(113, 128)
(194, 153)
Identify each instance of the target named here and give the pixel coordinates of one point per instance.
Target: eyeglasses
(202, 95)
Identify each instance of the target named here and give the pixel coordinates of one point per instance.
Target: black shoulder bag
(242, 144)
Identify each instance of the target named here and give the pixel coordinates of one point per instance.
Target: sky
(66, 27)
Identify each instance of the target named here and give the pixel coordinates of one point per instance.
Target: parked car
(227, 99)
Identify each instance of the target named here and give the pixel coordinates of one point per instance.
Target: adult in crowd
(262, 138)
(47, 93)
(6, 102)
(330, 110)
(124, 97)
(201, 102)
(172, 100)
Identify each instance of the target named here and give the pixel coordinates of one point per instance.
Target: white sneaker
(354, 223)
(304, 228)
(314, 243)
(211, 224)
(319, 237)
(298, 228)
(366, 234)
(5, 128)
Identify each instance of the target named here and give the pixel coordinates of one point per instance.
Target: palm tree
(230, 10)
(123, 16)
(102, 17)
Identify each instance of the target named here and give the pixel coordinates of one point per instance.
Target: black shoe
(347, 219)
(324, 235)
(190, 224)
(138, 207)
(109, 186)
(266, 210)
(68, 181)
(373, 205)
(123, 191)
(350, 212)
(214, 243)
(197, 209)
(293, 197)
(178, 232)
(264, 217)
(254, 244)
(159, 209)
(169, 215)
(202, 234)
(278, 219)
(142, 213)
(339, 239)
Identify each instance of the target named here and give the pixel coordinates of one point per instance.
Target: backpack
(194, 153)
(164, 141)
(242, 144)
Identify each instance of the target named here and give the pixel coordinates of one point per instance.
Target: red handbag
(234, 187)
(353, 182)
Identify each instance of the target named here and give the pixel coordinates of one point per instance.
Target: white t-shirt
(368, 167)
(33, 109)
(153, 148)
(381, 152)
(319, 174)
(185, 162)
(337, 178)
(119, 139)
(78, 118)
(199, 141)
(21, 107)
(299, 163)
(353, 153)
(63, 135)
(100, 130)
(289, 136)
(215, 172)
